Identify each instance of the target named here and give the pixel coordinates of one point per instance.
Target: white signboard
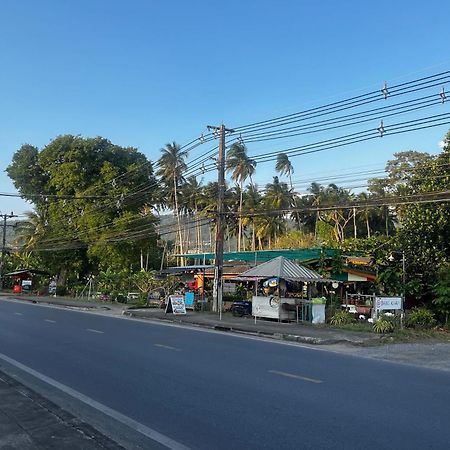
(271, 307)
(266, 307)
(176, 305)
(382, 303)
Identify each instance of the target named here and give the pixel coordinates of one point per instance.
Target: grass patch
(408, 335)
(356, 326)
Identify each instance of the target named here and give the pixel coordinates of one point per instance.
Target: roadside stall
(25, 280)
(285, 290)
(193, 278)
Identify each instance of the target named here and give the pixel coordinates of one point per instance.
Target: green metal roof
(300, 254)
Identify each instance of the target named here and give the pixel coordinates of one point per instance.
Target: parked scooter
(241, 308)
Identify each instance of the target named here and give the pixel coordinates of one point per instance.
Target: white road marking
(168, 347)
(190, 327)
(293, 375)
(94, 331)
(18, 314)
(50, 320)
(133, 424)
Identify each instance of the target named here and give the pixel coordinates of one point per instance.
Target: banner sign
(383, 303)
(176, 305)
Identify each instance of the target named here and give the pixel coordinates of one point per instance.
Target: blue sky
(143, 73)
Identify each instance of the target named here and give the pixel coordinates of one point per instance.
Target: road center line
(133, 424)
(94, 331)
(168, 347)
(293, 375)
(50, 320)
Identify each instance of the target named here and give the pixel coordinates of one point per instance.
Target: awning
(283, 268)
(185, 269)
(20, 272)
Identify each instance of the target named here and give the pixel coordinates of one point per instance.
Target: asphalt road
(208, 390)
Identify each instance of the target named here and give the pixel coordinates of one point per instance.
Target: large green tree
(89, 193)
(424, 232)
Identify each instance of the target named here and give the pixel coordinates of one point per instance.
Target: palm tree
(208, 206)
(268, 229)
(278, 195)
(241, 168)
(317, 193)
(171, 168)
(285, 167)
(191, 199)
(252, 205)
(233, 227)
(30, 231)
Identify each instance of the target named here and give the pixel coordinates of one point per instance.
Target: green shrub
(61, 290)
(383, 325)
(421, 318)
(342, 318)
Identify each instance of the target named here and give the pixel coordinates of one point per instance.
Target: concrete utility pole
(218, 255)
(2, 262)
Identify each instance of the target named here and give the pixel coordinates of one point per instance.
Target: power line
(424, 197)
(352, 101)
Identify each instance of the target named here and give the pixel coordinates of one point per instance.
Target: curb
(264, 334)
(60, 303)
(289, 337)
(59, 415)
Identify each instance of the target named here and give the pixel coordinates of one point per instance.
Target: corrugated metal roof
(300, 254)
(283, 268)
(180, 269)
(25, 271)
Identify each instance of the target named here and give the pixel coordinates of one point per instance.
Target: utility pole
(2, 262)
(218, 254)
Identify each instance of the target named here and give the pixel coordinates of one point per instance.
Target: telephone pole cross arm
(220, 221)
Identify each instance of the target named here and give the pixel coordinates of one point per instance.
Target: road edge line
(133, 424)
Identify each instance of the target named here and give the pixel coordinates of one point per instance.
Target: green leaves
(420, 318)
(383, 325)
(77, 235)
(342, 318)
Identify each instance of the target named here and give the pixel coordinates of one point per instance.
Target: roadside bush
(383, 325)
(61, 290)
(342, 318)
(421, 318)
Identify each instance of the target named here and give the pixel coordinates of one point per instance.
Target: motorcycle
(241, 308)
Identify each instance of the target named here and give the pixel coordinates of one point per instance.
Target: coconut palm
(31, 230)
(285, 167)
(317, 193)
(277, 195)
(241, 168)
(252, 205)
(268, 229)
(191, 193)
(171, 168)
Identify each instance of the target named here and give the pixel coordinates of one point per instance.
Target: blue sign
(189, 299)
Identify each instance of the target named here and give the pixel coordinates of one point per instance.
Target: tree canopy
(86, 193)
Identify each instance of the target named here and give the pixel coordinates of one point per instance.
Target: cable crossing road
(179, 388)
